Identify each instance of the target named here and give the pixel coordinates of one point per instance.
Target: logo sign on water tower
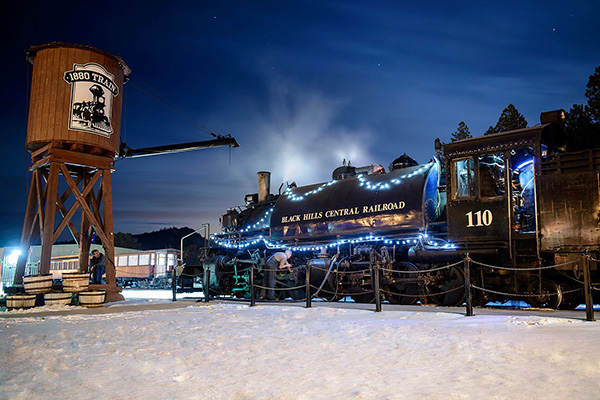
(93, 89)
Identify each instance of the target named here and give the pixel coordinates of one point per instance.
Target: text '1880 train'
(520, 200)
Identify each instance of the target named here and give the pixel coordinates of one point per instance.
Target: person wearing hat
(274, 263)
(97, 266)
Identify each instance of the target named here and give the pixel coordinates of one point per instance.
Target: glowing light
(13, 258)
(526, 163)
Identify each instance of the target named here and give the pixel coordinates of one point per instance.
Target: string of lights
(364, 182)
(260, 222)
(422, 239)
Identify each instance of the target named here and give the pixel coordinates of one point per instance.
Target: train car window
(133, 260)
(144, 259)
(464, 177)
(491, 175)
(122, 261)
(523, 194)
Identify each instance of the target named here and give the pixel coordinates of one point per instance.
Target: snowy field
(231, 351)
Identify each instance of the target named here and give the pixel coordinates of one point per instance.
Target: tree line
(582, 120)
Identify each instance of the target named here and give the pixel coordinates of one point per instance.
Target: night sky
(300, 85)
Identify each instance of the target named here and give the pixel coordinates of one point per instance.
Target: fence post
(252, 294)
(308, 294)
(206, 285)
(375, 276)
(589, 302)
(469, 298)
(174, 283)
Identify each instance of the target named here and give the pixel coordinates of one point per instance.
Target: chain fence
(337, 288)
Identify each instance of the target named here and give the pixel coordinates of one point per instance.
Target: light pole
(205, 227)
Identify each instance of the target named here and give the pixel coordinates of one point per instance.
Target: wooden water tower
(73, 135)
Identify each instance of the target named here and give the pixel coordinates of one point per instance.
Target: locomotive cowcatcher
(523, 200)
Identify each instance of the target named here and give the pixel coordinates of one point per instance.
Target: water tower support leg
(49, 216)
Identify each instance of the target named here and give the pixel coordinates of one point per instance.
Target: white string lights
(260, 222)
(421, 239)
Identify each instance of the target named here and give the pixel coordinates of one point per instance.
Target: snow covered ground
(232, 351)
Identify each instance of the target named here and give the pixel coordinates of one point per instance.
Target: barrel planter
(15, 301)
(57, 299)
(36, 284)
(75, 282)
(92, 298)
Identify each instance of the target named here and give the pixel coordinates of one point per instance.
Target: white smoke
(302, 136)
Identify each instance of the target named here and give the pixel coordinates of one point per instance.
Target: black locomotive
(520, 200)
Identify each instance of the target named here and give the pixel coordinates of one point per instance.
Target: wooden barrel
(92, 298)
(15, 301)
(75, 282)
(36, 284)
(57, 299)
(76, 96)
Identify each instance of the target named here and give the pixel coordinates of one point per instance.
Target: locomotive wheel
(364, 298)
(395, 290)
(550, 295)
(571, 300)
(448, 279)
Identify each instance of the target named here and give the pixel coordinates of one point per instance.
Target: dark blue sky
(301, 85)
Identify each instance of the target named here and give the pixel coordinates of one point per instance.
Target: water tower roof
(34, 49)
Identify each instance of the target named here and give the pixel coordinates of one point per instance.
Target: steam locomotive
(519, 200)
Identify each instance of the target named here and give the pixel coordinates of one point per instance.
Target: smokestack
(264, 185)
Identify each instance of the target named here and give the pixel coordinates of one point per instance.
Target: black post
(206, 285)
(252, 294)
(174, 283)
(589, 302)
(469, 298)
(377, 293)
(308, 294)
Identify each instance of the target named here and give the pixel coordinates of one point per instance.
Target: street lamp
(205, 227)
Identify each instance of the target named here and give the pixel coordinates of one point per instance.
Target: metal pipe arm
(127, 152)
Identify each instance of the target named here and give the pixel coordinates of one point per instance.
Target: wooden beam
(49, 215)
(66, 220)
(40, 151)
(28, 225)
(44, 162)
(74, 189)
(85, 234)
(41, 198)
(72, 157)
(85, 208)
(107, 208)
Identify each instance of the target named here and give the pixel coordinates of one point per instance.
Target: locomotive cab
(498, 196)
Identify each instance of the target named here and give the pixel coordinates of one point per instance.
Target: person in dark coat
(97, 266)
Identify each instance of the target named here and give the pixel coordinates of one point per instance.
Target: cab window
(491, 175)
(463, 178)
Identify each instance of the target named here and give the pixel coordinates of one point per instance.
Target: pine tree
(462, 132)
(582, 131)
(510, 119)
(490, 130)
(593, 94)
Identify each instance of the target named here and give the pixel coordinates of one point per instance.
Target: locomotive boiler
(516, 202)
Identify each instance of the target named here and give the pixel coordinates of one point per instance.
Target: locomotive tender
(519, 200)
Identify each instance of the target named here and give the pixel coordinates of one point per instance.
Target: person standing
(97, 266)
(274, 263)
